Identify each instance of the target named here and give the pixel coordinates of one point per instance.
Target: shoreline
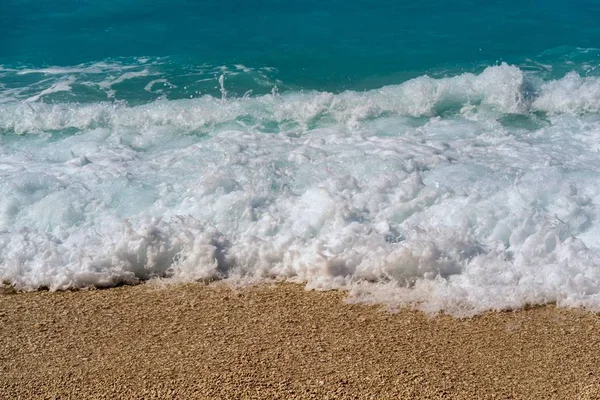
(281, 341)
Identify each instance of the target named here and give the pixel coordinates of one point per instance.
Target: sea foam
(460, 194)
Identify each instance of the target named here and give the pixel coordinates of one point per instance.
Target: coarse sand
(199, 341)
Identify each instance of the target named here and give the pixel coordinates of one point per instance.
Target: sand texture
(280, 341)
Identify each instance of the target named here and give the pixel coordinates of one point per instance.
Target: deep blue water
(327, 45)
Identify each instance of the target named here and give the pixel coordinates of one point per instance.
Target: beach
(281, 341)
(299, 200)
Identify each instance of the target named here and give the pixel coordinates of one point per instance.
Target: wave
(446, 194)
(497, 90)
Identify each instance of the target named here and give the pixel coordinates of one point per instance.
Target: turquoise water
(331, 45)
(436, 154)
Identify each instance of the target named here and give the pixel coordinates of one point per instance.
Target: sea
(438, 154)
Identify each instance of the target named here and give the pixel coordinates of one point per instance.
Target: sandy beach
(279, 341)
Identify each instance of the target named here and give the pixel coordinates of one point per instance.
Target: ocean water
(439, 154)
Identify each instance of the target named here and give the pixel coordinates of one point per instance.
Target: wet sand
(280, 341)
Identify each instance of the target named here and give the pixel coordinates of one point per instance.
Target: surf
(465, 193)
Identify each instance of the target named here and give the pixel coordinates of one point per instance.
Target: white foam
(498, 90)
(98, 81)
(107, 85)
(61, 86)
(149, 87)
(571, 94)
(461, 213)
(95, 68)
